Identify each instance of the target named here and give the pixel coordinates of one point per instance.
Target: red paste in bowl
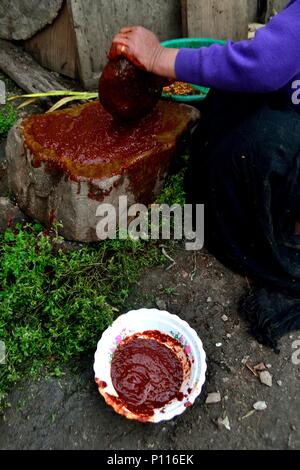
(146, 373)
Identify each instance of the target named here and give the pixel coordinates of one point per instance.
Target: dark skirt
(245, 168)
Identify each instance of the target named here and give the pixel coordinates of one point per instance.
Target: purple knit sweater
(270, 62)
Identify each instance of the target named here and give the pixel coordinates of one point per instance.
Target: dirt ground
(69, 414)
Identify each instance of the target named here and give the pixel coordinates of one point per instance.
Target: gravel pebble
(224, 423)
(213, 398)
(260, 406)
(266, 378)
(161, 304)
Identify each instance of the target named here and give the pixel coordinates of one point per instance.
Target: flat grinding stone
(63, 165)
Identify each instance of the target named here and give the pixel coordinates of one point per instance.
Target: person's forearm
(264, 64)
(164, 63)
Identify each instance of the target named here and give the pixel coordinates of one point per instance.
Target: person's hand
(137, 44)
(143, 49)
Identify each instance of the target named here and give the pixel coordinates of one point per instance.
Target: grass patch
(8, 117)
(54, 305)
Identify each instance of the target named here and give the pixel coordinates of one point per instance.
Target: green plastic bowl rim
(192, 43)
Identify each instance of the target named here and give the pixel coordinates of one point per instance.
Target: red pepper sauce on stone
(88, 135)
(146, 373)
(86, 142)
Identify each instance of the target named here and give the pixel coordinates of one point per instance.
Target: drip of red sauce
(9, 222)
(146, 373)
(101, 383)
(51, 217)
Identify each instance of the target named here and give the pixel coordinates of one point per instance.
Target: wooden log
(21, 19)
(54, 47)
(220, 19)
(25, 71)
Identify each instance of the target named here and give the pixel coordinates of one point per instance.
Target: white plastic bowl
(139, 321)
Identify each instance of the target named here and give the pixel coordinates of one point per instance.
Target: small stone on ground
(213, 398)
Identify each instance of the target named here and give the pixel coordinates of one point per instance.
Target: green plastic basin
(193, 43)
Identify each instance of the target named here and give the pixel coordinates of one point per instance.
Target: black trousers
(245, 168)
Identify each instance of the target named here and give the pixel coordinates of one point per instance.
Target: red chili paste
(90, 134)
(86, 142)
(146, 373)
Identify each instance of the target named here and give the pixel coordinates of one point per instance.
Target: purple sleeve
(263, 64)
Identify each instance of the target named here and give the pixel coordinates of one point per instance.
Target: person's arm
(264, 64)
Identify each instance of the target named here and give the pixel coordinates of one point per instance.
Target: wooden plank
(79, 19)
(252, 11)
(273, 7)
(96, 22)
(184, 18)
(55, 46)
(278, 5)
(220, 19)
(21, 19)
(23, 69)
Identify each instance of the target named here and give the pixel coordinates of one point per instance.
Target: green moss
(54, 306)
(8, 117)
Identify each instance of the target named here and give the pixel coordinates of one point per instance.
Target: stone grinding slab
(62, 165)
